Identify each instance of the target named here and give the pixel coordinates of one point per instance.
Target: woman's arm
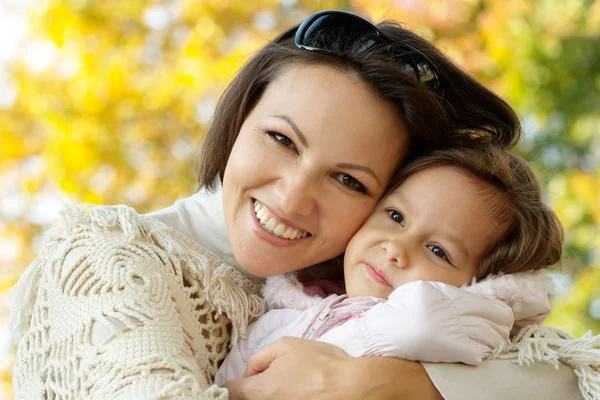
(297, 369)
(504, 380)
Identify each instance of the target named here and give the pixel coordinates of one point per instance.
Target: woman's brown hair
(467, 112)
(534, 235)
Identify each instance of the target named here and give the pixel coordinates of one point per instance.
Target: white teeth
(271, 224)
(275, 227)
(279, 229)
(288, 233)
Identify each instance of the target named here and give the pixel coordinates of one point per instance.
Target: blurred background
(105, 101)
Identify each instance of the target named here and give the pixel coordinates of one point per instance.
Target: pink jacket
(421, 321)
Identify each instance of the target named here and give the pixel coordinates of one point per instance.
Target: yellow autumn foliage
(112, 98)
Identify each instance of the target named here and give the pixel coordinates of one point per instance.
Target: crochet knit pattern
(120, 306)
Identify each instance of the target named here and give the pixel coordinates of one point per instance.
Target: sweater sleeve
(503, 380)
(109, 313)
(427, 321)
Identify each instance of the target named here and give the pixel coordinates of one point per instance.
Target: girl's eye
(351, 183)
(439, 252)
(284, 140)
(396, 216)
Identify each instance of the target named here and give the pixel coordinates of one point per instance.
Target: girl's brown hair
(534, 236)
(467, 112)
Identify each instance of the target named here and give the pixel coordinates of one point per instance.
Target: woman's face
(308, 167)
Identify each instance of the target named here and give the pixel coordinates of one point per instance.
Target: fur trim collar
(525, 292)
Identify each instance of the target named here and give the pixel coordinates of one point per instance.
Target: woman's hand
(297, 369)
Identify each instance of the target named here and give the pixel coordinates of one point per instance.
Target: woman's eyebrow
(302, 138)
(359, 167)
(294, 127)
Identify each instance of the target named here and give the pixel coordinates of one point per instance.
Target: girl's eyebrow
(458, 243)
(405, 203)
(291, 123)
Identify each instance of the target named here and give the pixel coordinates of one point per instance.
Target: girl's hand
(297, 369)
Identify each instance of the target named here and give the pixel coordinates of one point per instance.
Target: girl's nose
(395, 254)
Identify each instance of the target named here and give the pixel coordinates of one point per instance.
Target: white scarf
(201, 217)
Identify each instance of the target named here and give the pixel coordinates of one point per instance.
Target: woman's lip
(377, 275)
(282, 220)
(269, 238)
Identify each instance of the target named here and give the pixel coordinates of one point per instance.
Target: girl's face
(308, 167)
(435, 226)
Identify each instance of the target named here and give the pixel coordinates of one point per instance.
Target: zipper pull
(321, 319)
(324, 314)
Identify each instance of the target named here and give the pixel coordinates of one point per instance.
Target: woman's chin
(265, 266)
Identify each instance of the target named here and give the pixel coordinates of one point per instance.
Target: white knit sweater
(148, 313)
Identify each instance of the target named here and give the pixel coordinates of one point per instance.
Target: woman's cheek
(250, 154)
(252, 162)
(349, 217)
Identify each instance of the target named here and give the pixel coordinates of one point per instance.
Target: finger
(251, 388)
(235, 388)
(262, 359)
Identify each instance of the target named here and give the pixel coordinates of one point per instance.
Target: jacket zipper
(321, 319)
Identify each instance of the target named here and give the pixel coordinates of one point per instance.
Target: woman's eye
(352, 183)
(438, 251)
(284, 140)
(396, 216)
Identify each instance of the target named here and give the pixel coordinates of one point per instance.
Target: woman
(312, 128)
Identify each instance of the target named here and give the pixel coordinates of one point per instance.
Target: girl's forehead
(430, 184)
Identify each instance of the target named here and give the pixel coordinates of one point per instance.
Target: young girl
(442, 271)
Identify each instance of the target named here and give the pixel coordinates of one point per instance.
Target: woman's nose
(296, 195)
(395, 254)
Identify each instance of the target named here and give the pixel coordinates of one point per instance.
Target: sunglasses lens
(336, 33)
(341, 32)
(415, 62)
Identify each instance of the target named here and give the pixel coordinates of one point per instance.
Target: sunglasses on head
(338, 32)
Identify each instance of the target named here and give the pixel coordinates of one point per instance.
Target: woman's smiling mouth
(274, 226)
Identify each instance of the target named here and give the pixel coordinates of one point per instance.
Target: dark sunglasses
(337, 32)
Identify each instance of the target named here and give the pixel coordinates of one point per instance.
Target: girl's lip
(377, 275)
(266, 236)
